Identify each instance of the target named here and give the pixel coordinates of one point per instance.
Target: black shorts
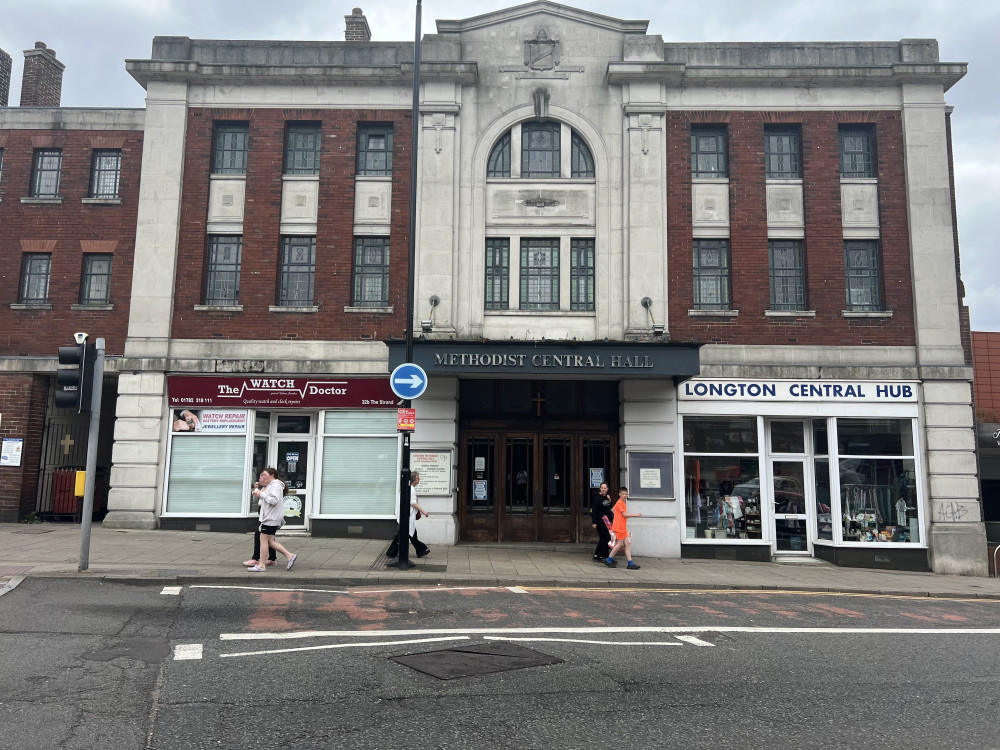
(269, 530)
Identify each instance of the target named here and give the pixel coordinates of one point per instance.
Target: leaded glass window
(36, 269)
(863, 282)
(782, 153)
(540, 149)
(371, 272)
(581, 274)
(222, 277)
(298, 270)
(375, 150)
(709, 151)
(302, 141)
(581, 160)
(711, 274)
(95, 282)
(497, 273)
(499, 162)
(856, 151)
(46, 168)
(105, 172)
(231, 144)
(539, 274)
(787, 272)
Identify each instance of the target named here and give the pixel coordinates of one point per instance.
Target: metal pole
(97, 381)
(404, 479)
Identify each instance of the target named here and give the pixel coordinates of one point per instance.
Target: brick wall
(22, 415)
(259, 274)
(69, 224)
(986, 374)
(824, 248)
(5, 67)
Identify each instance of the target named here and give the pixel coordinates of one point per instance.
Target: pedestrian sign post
(408, 381)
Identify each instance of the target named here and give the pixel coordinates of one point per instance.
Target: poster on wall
(209, 421)
(435, 471)
(10, 453)
(651, 476)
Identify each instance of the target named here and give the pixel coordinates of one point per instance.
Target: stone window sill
(102, 201)
(867, 313)
(789, 313)
(381, 310)
(713, 313)
(218, 308)
(290, 309)
(92, 308)
(30, 306)
(56, 200)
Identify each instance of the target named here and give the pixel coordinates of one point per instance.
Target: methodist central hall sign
(616, 359)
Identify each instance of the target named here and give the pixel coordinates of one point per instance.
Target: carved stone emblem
(541, 53)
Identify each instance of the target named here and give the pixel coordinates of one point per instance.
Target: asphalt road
(113, 666)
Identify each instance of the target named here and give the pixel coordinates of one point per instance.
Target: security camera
(80, 338)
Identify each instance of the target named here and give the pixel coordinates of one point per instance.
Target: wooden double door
(531, 486)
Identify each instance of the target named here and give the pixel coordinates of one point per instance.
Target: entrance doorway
(531, 486)
(793, 491)
(285, 441)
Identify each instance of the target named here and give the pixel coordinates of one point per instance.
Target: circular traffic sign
(408, 381)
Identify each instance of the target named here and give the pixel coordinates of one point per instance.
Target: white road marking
(11, 584)
(171, 590)
(694, 641)
(517, 589)
(268, 588)
(601, 629)
(187, 651)
(580, 640)
(346, 645)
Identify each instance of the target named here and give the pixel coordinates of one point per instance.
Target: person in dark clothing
(601, 508)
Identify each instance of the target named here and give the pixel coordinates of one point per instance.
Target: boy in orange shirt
(620, 529)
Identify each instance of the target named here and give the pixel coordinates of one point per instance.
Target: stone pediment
(541, 8)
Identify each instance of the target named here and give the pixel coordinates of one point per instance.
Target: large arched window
(541, 153)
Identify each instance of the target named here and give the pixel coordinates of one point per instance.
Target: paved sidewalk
(211, 557)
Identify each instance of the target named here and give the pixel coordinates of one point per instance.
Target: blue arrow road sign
(408, 381)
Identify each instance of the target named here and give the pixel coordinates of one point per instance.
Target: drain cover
(468, 661)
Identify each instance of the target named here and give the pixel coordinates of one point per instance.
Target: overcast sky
(93, 38)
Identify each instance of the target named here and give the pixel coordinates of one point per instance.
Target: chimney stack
(41, 84)
(5, 66)
(357, 27)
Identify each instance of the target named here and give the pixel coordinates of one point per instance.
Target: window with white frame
(367, 442)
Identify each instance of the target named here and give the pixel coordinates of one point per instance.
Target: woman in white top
(271, 497)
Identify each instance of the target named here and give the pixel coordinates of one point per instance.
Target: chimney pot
(356, 29)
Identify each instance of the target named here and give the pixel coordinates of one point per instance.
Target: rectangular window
(581, 274)
(711, 274)
(45, 171)
(540, 149)
(371, 272)
(497, 273)
(105, 172)
(231, 143)
(95, 282)
(539, 274)
(35, 271)
(788, 278)
(222, 285)
(856, 151)
(709, 151)
(298, 270)
(782, 153)
(375, 150)
(302, 141)
(366, 441)
(863, 283)
(207, 474)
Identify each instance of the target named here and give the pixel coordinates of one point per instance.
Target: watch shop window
(497, 273)
(581, 160)
(539, 274)
(498, 164)
(375, 150)
(298, 271)
(782, 153)
(230, 146)
(371, 272)
(540, 149)
(863, 281)
(721, 478)
(365, 440)
(786, 267)
(877, 475)
(856, 151)
(36, 269)
(45, 172)
(105, 173)
(206, 473)
(222, 277)
(711, 274)
(302, 141)
(95, 281)
(581, 274)
(709, 151)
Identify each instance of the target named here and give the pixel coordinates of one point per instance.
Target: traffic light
(75, 380)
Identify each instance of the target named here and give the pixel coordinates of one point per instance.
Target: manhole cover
(468, 661)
